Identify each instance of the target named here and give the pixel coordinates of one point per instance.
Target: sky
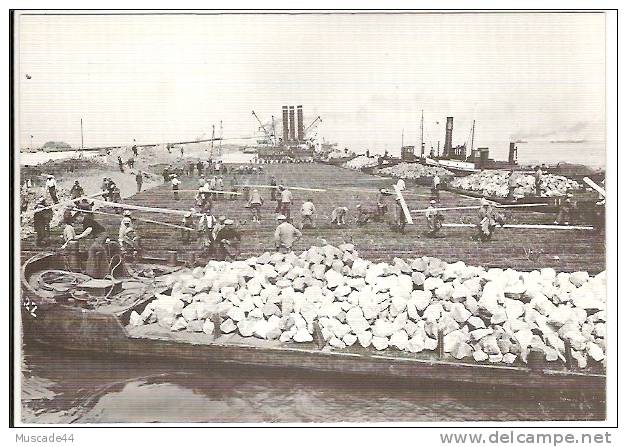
(161, 78)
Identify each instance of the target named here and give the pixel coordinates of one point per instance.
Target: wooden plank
(403, 205)
(165, 224)
(64, 202)
(296, 188)
(529, 226)
(594, 186)
(141, 208)
(476, 207)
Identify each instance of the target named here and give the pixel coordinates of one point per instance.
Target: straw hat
(484, 202)
(433, 202)
(228, 222)
(126, 221)
(222, 218)
(281, 217)
(188, 214)
(127, 213)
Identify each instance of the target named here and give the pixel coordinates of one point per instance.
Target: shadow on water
(60, 387)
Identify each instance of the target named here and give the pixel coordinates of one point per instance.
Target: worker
(228, 241)
(212, 186)
(76, 191)
(51, 186)
(512, 184)
(134, 149)
(190, 168)
(205, 226)
(127, 237)
(400, 185)
(120, 164)
(273, 190)
(220, 187)
(104, 187)
(254, 203)
(89, 221)
(202, 181)
(130, 162)
(286, 201)
(218, 225)
(116, 196)
(166, 174)
(139, 179)
(69, 234)
(182, 151)
(538, 177)
(201, 169)
(285, 235)
(41, 222)
(435, 189)
(338, 216)
(399, 217)
(188, 222)
(175, 186)
(234, 190)
(434, 220)
(487, 221)
(307, 211)
(382, 206)
(97, 265)
(564, 215)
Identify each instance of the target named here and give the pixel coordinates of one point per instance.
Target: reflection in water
(58, 387)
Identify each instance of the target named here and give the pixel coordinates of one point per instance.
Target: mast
(273, 132)
(422, 144)
(220, 148)
(472, 137)
(402, 138)
(82, 134)
(213, 134)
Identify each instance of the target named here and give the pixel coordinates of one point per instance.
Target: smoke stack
(513, 153)
(299, 120)
(292, 128)
(448, 137)
(285, 125)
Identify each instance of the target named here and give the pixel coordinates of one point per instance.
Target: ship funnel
(286, 127)
(448, 137)
(299, 120)
(292, 128)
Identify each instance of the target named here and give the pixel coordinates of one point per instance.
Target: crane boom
(262, 126)
(312, 123)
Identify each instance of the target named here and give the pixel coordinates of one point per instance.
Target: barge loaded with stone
(328, 310)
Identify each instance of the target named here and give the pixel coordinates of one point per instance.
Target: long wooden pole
(288, 187)
(476, 207)
(403, 205)
(529, 226)
(136, 218)
(62, 203)
(594, 186)
(141, 208)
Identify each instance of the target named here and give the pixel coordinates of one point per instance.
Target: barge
(93, 325)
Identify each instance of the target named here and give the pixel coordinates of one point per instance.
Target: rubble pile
(494, 315)
(414, 171)
(361, 162)
(495, 184)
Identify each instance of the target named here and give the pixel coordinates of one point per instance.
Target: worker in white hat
(127, 237)
(42, 216)
(228, 241)
(434, 220)
(286, 201)
(51, 186)
(399, 216)
(285, 234)
(175, 186)
(255, 201)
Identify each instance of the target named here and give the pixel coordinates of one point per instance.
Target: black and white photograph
(311, 217)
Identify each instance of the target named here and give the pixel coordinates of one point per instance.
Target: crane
(262, 126)
(318, 119)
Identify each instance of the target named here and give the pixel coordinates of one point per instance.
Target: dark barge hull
(552, 203)
(60, 326)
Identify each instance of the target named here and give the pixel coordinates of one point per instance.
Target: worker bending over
(399, 217)
(175, 186)
(338, 216)
(382, 206)
(77, 190)
(228, 241)
(127, 237)
(188, 222)
(286, 201)
(205, 227)
(51, 186)
(434, 220)
(255, 202)
(41, 222)
(487, 221)
(285, 235)
(307, 211)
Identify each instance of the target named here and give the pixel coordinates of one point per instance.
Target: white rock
(355, 319)
(433, 312)
(416, 343)
(380, 343)
(595, 351)
(479, 356)
(365, 338)
(461, 350)
(460, 313)
(509, 358)
(382, 328)
(179, 324)
(245, 327)
(208, 327)
(431, 344)
(444, 292)
(334, 279)
(349, 339)
(432, 283)
(337, 343)
(136, 319)
(475, 322)
(228, 326)
(399, 339)
(261, 328)
(302, 336)
(421, 299)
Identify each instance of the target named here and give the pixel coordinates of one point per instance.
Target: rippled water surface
(61, 388)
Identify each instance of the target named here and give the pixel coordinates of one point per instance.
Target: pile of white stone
(490, 315)
(414, 171)
(496, 184)
(361, 162)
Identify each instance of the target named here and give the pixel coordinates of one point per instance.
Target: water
(35, 158)
(61, 388)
